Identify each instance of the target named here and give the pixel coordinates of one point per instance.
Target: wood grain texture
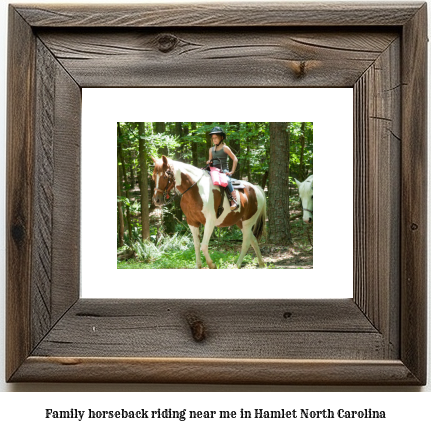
(57, 194)
(377, 182)
(216, 14)
(215, 371)
(19, 200)
(66, 188)
(378, 337)
(44, 110)
(264, 57)
(43, 194)
(268, 329)
(414, 195)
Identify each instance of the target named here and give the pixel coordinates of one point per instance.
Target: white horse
(306, 196)
(200, 201)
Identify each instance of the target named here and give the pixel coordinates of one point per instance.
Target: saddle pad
(237, 184)
(219, 178)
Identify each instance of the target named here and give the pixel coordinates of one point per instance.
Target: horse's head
(306, 196)
(163, 177)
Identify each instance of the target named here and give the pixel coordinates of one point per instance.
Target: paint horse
(306, 196)
(200, 201)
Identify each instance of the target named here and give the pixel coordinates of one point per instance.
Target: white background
(406, 409)
(330, 110)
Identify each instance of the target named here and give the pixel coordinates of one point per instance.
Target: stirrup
(232, 201)
(233, 205)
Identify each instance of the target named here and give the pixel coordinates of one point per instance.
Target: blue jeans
(229, 184)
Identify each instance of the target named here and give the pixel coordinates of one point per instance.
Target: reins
(182, 194)
(171, 180)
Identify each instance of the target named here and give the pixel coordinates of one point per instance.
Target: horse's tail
(259, 228)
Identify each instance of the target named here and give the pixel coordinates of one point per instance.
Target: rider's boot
(233, 202)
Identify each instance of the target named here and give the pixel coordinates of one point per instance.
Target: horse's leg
(195, 233)
(209, 227)
(246, 240)
(256, 248)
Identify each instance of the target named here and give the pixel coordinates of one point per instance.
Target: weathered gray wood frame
(378, 337)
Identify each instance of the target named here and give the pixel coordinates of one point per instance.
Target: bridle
(171, 184)
(306, 209)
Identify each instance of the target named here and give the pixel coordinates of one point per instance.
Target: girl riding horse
(218, 155)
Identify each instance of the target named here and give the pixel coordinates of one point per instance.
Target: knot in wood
(167, 42)
(300, 69)
(197, 328)
(18, 233)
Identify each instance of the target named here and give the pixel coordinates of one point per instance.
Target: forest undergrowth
(177, 251)
(272, 155)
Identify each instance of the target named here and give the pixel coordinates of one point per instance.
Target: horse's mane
(186, 168)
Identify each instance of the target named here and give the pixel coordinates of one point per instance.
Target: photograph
(217, 195)
(197, 193)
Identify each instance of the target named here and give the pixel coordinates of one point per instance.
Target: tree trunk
(130, 160)
(208, 139)
(124, 179)
(152, 187)
(235, 146)
(264, 179)
(194, 149)
(169, 210)
(179, 151)
(179, 129)
(143, 184)
(161, 128)
(120, 210)
(248, 166)
(278, 185)
(301, 158)
(178, 212)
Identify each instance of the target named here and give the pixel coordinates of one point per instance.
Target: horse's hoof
(212, 266)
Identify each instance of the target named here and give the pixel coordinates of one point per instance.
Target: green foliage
(183, 259)
(148, 251)
(301, 149)
(252, 153)
(162, 140)
(177, 251)
(125, 201)
(188, 142)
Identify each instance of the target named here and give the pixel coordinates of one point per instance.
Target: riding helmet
(218, 131)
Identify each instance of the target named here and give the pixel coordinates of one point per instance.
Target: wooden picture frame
(378, 337)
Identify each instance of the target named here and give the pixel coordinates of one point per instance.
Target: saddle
(237, 184)
(217, 181)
